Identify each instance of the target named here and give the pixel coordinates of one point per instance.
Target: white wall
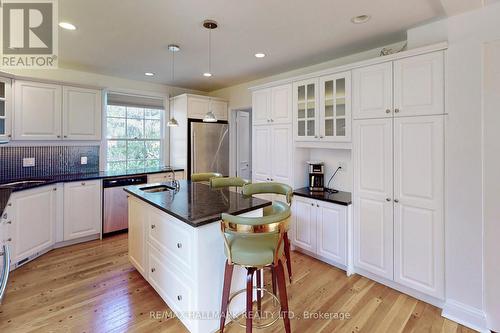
(332, 157)
(466, 35)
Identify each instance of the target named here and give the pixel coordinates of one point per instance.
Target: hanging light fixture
(173, 48)
(209, 25)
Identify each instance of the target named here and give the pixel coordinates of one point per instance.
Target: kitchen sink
(22, 183)
(157, 188)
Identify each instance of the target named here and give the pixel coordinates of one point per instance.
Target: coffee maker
(316, 176)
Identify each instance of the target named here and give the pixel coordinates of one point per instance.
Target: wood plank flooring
(92, 287)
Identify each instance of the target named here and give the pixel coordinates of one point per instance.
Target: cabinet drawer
(170, 284)
(171, 239)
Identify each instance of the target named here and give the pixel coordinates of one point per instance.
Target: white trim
(465, 315)
(405, 54)
(199, 96)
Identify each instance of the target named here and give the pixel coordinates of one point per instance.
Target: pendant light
(209, 25)
(173, 48)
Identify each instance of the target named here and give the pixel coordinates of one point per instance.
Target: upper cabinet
(45, 111)
(198, 106)
(5, 108)
(322, 109)
(410, 86)
(272, 105)
(82, 113)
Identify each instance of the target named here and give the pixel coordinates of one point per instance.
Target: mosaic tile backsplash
(55, 160)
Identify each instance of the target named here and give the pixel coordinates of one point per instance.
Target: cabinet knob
(153, 270)
(83, 183)
(4, 216)
(396, 200)
(179, 297)
(321, 136)
(317, 205)
(65, 136)
(272, 120)
(388, 111)
(9, 239)
(54, 189)
(9, 136)
(315, 136)
(312, 204)
(388, 199)
(8, 222)
(58, 136)
(153, 226)
(179, 245)
(396, 110)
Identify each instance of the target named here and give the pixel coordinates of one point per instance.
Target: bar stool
(221, 182)
(274, 188)
(255, 243)
(204, 176)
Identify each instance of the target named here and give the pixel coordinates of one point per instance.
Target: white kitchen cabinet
(5, 109)
(33, 222)
(197, 106)
(372, 91)
(219, 108)
(373, 207)
(82, 110)
(419, 85)
(261, 106)
(418, 204)
(322, 229)
(261, 166)
(82, 209)
(137, 235)
(272, 105)
(37, 111)
(164, 177)
(335, 108)
(306, 110)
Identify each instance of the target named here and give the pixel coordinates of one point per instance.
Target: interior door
(372, 91)
(419, 85)
(373, 206)
(418, 203)
(262, 165)
(243, 144)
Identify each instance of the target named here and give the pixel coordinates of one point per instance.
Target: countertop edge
(335, 201)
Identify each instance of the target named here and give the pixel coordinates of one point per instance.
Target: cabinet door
(82, 110)
(418, 203)
(37, 111)
(197, 107)
(335, 108)
(33, 221)
(5, 109)
(419, 85)
(261, 148)
(82, 209)
(137, 245)
(219, 108)
(331, 222)
(281, 153)
(373, 207)
(306, 115)
(261, 106)
(304, 223)
(281, 104)
(372, 91)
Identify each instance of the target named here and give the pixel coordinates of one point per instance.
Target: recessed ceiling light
(260, 55)
(361, 19)
(149, 74)
(207, 74)
(67, 26)
(174, 48)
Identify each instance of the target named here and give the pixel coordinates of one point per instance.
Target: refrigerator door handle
(5, 276)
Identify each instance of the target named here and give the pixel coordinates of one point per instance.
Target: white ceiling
(126, 38)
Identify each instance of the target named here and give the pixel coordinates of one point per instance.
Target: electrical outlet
(342, 165)
(28, 162)
(83, 160)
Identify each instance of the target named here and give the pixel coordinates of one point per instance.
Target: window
(134, 137)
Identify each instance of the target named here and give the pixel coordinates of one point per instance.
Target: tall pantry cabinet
(398, 157)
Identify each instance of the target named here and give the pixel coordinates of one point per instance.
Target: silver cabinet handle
(396, 110)
(5, 276)
(388, 111)
(179, 245)
(153, 226)
(179, 297)
(153, 270)
(388, 199)
(396, 200)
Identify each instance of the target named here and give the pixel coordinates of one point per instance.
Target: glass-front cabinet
(5, 109)
(306, 110)
(335, 108)
(322, 109)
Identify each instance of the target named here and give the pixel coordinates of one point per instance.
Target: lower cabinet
(322, 230)
(164, 177)
(33, 222)
(137, 232)
(82, 209)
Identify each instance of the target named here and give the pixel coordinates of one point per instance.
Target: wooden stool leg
(283, 296)
(273, 279)
(287, 255)
(249, 310)
(228, 275)
(258, 274)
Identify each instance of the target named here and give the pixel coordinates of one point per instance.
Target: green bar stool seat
(255, 243)
(204, 176)
(221, 182)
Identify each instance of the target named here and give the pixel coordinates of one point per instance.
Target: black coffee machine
(316, 176)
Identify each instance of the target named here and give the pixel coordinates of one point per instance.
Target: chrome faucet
(177, 184)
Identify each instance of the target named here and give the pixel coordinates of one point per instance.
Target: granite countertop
(340, 198)
(198, 204)
(52, 179)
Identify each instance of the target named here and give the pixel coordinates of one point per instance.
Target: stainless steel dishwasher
(115, 206)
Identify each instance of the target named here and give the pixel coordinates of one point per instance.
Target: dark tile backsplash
(53, 160)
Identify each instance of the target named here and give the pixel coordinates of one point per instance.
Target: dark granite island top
(196, 203)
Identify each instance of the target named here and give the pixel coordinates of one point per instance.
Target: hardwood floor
(92, 287)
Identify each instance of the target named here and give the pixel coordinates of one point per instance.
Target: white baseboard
(465, 315)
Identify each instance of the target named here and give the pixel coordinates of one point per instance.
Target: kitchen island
(176, 244)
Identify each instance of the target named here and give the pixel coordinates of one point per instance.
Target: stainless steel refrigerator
(208, 147)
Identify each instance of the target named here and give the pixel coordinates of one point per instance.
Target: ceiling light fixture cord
(173, 59)
(209, 50)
